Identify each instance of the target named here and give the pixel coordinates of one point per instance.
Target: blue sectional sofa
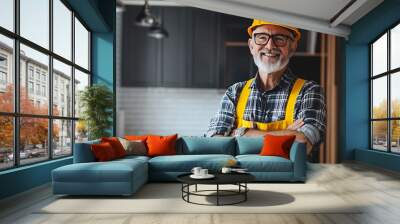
(125, 176)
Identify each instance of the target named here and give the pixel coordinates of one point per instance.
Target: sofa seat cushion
(112, 171)
(257, 163)
(185, 163)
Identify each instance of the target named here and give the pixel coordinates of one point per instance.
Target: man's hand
(296, 125)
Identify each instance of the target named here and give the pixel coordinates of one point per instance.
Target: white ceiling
(321, 9)
(325, 16)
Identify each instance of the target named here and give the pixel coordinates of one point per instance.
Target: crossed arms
(310, 116)
(291, 130)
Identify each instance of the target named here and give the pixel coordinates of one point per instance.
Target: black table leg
(188, 189)
(182, 190)
(245, 193)
(217, 194)
(196, 188)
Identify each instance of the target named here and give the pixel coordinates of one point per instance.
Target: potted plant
(96, 102)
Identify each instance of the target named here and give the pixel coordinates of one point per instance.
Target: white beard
(269, 67)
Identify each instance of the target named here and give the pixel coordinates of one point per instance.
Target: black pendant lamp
(144, 18)
(157, 31)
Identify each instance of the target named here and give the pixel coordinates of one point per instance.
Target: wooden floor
(377, 188)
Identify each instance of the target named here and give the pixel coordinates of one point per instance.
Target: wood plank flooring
(376, 188)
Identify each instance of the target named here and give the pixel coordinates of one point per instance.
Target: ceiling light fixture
(144, 18)
(157, 31)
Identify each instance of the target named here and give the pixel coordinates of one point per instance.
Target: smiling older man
(275, 101)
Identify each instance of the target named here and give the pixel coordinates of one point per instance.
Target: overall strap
(289, 114)
(241, 104)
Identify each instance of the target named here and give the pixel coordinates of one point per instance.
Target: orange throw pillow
(116, 145)
(103, 152)
(142, 138)
(277, 145)
(161, 145)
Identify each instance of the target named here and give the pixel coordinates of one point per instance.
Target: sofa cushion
(136, 137)
(207, 145)
(103, 152)
(249, 145)
(111, 171)
(116, 145)
(185, 163)
(257, 163)
(161, 145)
(134, 147)
(277, 145)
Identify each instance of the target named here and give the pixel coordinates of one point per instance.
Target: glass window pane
(81, 45)
(33, 139)
(379, 135)
(395, 136)
(62, 89)
(395, 95)
(81, 81)
(6, 142)
(62, 29)
(81, 131)
(62, 138)
(7, 14)
(379, 97)
(395, 47)
(6, 74)
(35, 21)
(379, 56)
(34, 97)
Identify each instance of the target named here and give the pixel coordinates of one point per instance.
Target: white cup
(203, 172)
(196, 171)
(226, 170)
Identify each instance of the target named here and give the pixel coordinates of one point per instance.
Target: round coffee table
(238, 179)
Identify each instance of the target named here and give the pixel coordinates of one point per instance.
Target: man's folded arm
(313, 113)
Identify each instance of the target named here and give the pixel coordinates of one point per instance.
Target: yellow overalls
(272, 126)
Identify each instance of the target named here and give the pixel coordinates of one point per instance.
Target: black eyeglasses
(280, 40)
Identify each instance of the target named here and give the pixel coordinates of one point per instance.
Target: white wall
(166, 111)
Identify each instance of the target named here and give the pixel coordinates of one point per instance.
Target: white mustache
(273, 51)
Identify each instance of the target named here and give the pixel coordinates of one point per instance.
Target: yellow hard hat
(257, 23)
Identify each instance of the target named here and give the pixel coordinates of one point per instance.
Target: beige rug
(166, 198)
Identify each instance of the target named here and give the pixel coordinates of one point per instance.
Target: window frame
(388, 74)
(3, 77)
(3, 68)
(16, 114)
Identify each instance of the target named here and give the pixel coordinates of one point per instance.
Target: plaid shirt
(269, 106)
